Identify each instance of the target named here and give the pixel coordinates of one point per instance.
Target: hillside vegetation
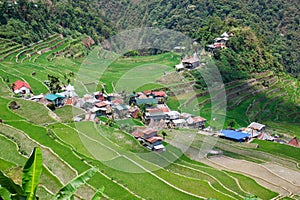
(67, 154)
(273, 25)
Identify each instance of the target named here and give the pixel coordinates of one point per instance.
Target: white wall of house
(23, 90)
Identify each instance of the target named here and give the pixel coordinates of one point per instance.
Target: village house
(179, 123)
(173, 115)
(69, 91)
(56, 99)
(254, 129)
(134, 112)
(294, 142)
(149, 138)
(21, 87)
(196, 122)
(157, 113)
(146, 101)
(160, 96)
(220, 42)
(234, 135)
(191, 63)
(121, 110)
(37, 98)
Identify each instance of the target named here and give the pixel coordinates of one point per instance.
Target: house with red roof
(149, 138)
(20, 87)
(160, 96)
(294, 142)
(144, 132)
(196, 122)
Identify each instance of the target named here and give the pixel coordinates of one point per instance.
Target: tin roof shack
(196, 122)
(161, 96)
(146, 101)
(191, 63)
(144, 132)
(255, 129)
(121, 110)
(179, 123)
(157, 113)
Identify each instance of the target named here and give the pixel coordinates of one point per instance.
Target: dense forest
(27, 21)
(266, 31)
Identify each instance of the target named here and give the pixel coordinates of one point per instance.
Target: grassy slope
(110, 137)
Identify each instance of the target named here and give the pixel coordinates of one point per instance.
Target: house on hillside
(196, 122)
(219, 42)
(144, 132)
(148, 137)
(146, 101)
(191, 63)
(159, 95)
(157, 113)
(265, 136)
(294, 142)
(155, 144)
(69, 91)
(257, 126)
(21, 87)
(56, 99)
(234, 135)
(121, 110)
(134, 112)
(178, 123)
(255, 129)
(98, 111)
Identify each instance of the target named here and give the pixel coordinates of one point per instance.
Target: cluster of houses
(220, 42)
(149, 106)
(255, 130)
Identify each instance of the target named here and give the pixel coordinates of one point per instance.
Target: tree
(164, 134)
(231, 123)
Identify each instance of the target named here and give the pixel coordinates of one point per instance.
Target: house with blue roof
(234, 135)
(56, 99)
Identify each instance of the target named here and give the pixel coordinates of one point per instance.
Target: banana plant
(98, 194)
(67, 192)
(30, 178)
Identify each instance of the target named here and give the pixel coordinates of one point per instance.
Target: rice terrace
(149, 100)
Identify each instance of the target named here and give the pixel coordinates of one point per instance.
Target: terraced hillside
(71, 148)
(272, 99)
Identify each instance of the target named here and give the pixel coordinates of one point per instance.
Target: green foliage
(31, 173)
(30, 178)
(10, 186)
(28, 21)
(98, 194)
(273, 26)
(68, 190)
